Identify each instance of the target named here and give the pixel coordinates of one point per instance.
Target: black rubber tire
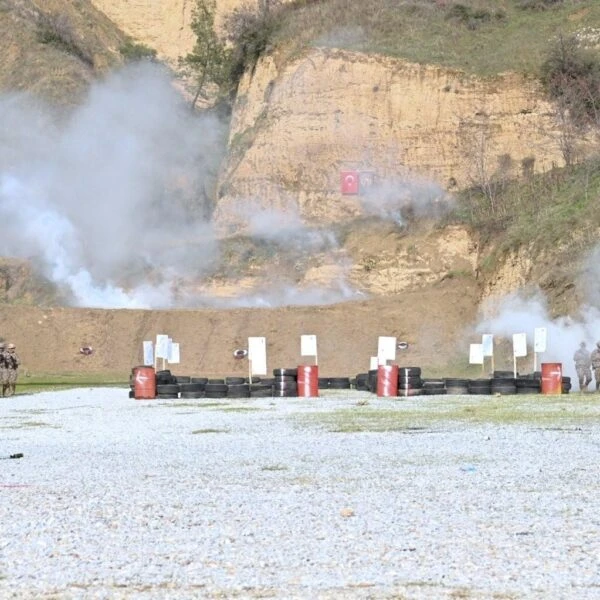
(457, 390)
(278, 379)
(189, 388)
(167, 388)
(285, 393)
(268, 381)
(527, 390)
(254, 379)
(286, 387)
(409, 371)
(266, 393)
(286, 372)
(502, 381)
(339, 383)
(215, 387)
(167, 396)
(131, 394)
(235, 380)
(409, 393)
(216, 381)
(191, 395)
(504, 390)
(183, 378)
(215, 394)
(240, 390)
(323, 383)
(413, 379)
(453, 382)
(203, 380)
(428, 391)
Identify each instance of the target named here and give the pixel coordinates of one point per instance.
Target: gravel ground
(117, 498)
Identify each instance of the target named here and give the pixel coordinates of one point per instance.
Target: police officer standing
(12, 362)
(583, 366)
(3, 371)
(595, 357)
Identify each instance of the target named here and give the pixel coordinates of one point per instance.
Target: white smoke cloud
(111, 192)
(517, 313)
(394, 198)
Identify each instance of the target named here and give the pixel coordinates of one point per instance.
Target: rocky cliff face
(164, 25)
(297, 125)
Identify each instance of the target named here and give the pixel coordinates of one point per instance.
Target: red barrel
(387, 380)
(551, 378)
(308, 381)
(144, 383)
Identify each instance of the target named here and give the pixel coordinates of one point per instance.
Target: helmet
(11, 346)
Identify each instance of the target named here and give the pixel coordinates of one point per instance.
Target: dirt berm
(432, 321)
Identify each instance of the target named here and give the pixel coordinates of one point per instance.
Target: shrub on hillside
(538, 4)
(250, 31)
(57, 30)
(571, 77)
(134, 52)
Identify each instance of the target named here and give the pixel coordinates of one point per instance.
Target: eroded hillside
(55, 48)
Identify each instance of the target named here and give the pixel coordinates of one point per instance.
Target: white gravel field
(276, 498)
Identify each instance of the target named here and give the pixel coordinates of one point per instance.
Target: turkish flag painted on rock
(349, 181)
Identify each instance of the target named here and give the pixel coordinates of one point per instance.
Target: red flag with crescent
(349, 181)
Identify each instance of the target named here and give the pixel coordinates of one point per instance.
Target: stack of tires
(456, 386)
(261, 388)
(167, 386)
(237, 387)
(528, 384)
(372, 381)
(409, 381)
(434, 387)
(480, 387)
(285, 383)
(566, 385)
(194, 388)
(362, 382)
(504, 385)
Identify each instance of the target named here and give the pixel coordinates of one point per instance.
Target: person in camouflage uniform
(12, 362)
(3, 371)
(583, 366)
(595, 358)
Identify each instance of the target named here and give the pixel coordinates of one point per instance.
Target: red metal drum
(308, 381)
(387, 380)
(144, 383)
(551, 378)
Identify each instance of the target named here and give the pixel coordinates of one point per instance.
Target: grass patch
(274, 468)
(31, 383)
(31, 425)
(199, 431)
(241, 409)
(557, 207)
(470, 35)
(433, 414)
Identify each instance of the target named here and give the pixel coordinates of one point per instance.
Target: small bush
(571, 77)
(250, 32)
(538, 4)
(134, 52)
(57, 30)
(472, 18)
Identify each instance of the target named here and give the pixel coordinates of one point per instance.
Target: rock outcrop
(297, 125)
